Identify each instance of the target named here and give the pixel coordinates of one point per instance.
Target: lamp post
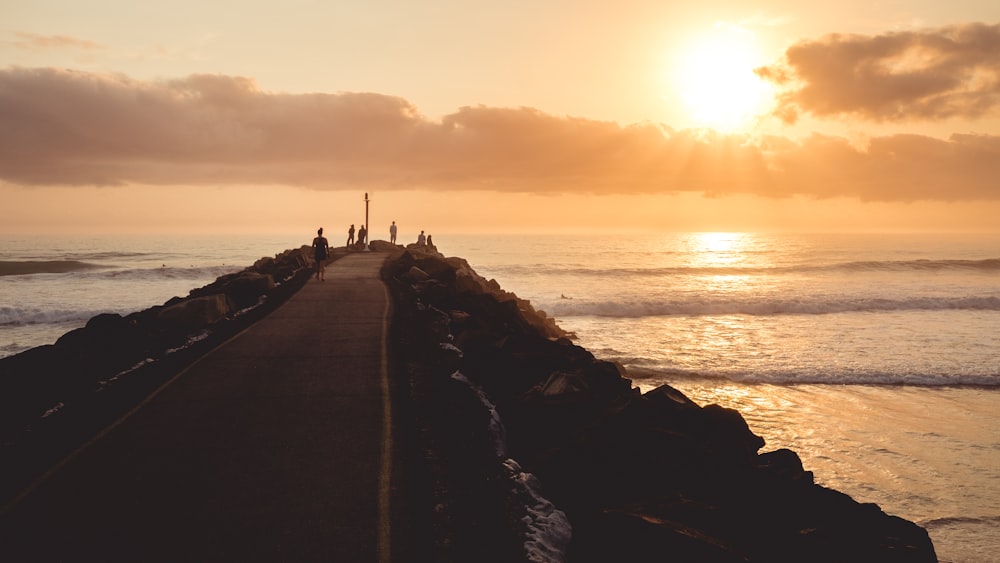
(368, 227)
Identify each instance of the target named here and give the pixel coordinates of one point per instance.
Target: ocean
(876, 357)
(50, 285)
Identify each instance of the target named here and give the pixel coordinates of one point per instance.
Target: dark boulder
(191, 314)
(246, 289)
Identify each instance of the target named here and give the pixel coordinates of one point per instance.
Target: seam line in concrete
(385, 468)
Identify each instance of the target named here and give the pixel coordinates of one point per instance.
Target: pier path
(276, 446)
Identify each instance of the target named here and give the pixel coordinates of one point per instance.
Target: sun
(714, 77)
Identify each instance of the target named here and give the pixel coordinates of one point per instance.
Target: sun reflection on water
(720, 256)
(719, 249)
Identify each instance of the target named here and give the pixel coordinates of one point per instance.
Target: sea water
(875, 357)
(50, 285)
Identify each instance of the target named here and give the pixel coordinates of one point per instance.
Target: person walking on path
(392, 233)
(321, 249)
(350, 235)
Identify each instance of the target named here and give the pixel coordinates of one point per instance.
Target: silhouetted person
(350, 235)
(362, 234)
(429, 241)
(392, 233)
(321, 249)
(421, 239)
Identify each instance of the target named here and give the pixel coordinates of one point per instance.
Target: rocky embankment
(533, 449)
(53, 398)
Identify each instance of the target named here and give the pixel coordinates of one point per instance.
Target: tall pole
(368, 227)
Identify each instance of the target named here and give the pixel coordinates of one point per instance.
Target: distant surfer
(563, 295)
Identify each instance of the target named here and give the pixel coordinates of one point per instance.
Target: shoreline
(552, 413)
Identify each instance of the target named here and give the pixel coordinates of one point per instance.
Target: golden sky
(499, 116)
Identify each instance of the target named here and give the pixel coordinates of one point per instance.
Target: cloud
(34, 42)
(915, 75)
(76, 128)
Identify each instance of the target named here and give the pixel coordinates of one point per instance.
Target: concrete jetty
(276, 446)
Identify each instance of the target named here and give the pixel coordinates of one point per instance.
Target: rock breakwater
(622, 476)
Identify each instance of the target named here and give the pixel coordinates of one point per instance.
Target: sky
(520, 116)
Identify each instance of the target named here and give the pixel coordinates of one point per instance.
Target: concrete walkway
(273, 447)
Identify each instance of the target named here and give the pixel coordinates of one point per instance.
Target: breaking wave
(167, 273)
(25, 316)
(991, 265)
(640, 374)
(29, 267)
(109, 272)
(764, 307)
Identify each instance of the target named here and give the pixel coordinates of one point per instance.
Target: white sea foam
(260, 302)
(191, 341)
(21, 316)
(497, 430)
(164, 273)
(53, 409)
(30, 267)
(650, 270)
(447, 346)
(829, 377)
(791, 305)
(545, 530)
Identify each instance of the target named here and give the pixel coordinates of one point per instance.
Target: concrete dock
(276, 446)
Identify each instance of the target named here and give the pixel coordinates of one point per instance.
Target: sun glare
(719, 249)
(715, 80)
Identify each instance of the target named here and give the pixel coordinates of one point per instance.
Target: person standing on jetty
(350, 235)
(421, 239)
(392, 233)
(321, 249)
(362, 234)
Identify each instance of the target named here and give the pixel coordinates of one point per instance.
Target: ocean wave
(117, 256)
(205, 273)
(12, 348)
(991, 521)
(985, 266)
(641, 374)
(958, 520)
(988, 265)
(25, 316)
(29, 267)
(111, 271)
(764, 307)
